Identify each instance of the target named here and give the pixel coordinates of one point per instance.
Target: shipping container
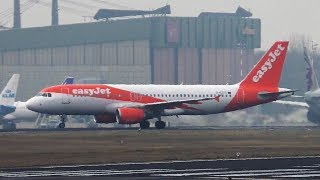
(184, 27)
(164, 62)
(60, 56)
(27, 57)
(1, 59)
(159, 31)
(209, 66)
(192, 32)
(234, 66)
(109, 53)
(228, 32)
(200, 32)
(188, 66)
(11, 58)
(220, 67)
(43, 56)
(76, 55)
(252, 59)
(141, 52)
(227, 66)
(207, 32)
(92, 54)
(125, 53)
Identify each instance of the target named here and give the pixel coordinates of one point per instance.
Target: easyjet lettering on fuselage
(268, 64)
(90, 92)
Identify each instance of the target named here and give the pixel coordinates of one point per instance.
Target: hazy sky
(281, 19)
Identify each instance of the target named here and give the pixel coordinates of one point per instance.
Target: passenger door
(65, 96)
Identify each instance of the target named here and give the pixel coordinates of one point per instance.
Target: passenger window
(49, 95)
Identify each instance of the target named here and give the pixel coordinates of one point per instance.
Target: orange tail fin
(267, 72)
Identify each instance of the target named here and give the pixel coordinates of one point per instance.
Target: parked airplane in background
(11, 111)
(132, 104)
(312, 96)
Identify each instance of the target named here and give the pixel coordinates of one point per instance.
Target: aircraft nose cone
(32, 105)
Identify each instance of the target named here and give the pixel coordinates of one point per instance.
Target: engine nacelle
(105, 119)
(130, 115)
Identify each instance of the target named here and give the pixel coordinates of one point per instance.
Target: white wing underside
(292, 103)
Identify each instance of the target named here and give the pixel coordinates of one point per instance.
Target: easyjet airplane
(132, 104)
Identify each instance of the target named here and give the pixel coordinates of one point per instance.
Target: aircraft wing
(173, 104)
(292, 103)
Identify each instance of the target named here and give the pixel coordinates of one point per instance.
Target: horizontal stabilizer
(278, 95)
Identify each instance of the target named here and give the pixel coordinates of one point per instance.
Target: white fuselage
(71, 104)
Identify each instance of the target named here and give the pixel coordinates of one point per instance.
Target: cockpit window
(44, 94)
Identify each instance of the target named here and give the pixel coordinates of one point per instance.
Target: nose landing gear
(63, 120)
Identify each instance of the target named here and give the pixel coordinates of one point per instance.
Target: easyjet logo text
(90, 92)
(268, 64)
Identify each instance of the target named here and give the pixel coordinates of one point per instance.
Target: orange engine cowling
(105, 119)
(130, 115)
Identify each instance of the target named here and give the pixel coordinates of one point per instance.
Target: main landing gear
(63, 120)
(158, 124)
(145, 124)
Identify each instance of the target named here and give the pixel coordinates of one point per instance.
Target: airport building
(213, 48)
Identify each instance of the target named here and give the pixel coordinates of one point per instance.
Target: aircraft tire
(160, 124)
(144, 124)
(62, 125)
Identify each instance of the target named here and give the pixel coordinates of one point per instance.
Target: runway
(266, 168)
(168, 128)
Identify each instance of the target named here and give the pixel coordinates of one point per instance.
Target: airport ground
(47, 148)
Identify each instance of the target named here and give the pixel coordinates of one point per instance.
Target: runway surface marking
(288, 168)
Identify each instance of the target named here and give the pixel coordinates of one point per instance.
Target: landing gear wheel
(63, 120)
(61, 125)
(144, 124)
(160, 124)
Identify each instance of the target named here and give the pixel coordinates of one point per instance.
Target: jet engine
(313, 117)
(105, 119)
(130, 115)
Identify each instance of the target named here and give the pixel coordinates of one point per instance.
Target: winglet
(267, 72)
(8, 94)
